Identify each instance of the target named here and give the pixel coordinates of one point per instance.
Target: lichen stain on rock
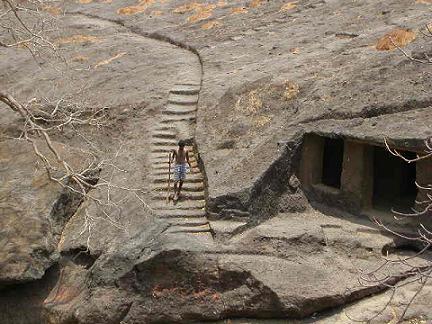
(252, 101)
(255, 3)
(156, 13)
(77, 39)
(424, 1)
(239, 10)
(288, 6)
(201, 11)
(397, 37)
(139, 8)
(108, 61)
(211, 24)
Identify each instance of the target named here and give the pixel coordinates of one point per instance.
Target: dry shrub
(250, 102)
(400, 37)
(291, 90)
(260, 121)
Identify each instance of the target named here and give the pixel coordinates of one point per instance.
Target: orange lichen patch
(221, 3)
(55, 11)
(77, 39)
(79, 58)
(132, 10)
(295, 50)
(187, 7)
(211, 24)
(108, 61)
(85, 1)
(255, 3)
(156, 13)
(201, 13)
(424, 1)
(288, 6)
(398, 37)
(239, 10)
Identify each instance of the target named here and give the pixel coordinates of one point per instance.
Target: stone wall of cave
(361, 177)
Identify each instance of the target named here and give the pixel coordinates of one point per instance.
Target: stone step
(194, 221)
(189, 179)
(195, 173)
(185, 189)
(162, 161)
(188, 186)
(186, 89)
(166, 119)
(162, 164)
(183, 99)
(191, 195)
(164, 155)
(164, 136)
(166, 148)
(165, 142)
(178, 112)
(180, 213)
(158, 155)
(180, 107)
(164, 129)
(169, 147)
(189, 229)
(181, 205)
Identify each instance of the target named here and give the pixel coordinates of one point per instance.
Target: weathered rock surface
(270, 71)
(34, 211)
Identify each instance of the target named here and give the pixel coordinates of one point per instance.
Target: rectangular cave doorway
(332, 162)
(393, 181)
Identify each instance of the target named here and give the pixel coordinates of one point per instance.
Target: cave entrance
(332, 162)
(393, 181)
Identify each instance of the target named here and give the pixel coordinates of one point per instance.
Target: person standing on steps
(181, 158)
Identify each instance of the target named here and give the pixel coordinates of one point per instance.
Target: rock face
(248, 241)
(34, 211)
